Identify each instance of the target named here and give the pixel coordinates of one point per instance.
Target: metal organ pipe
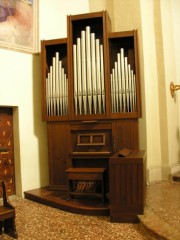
(79, 75)
(119, 81)
(123, 79)
(102, 77)
(93, 73)
(51, 91)
(57, 82)
(75, 78)
(88, 66)
(126, 83)
(83, 72)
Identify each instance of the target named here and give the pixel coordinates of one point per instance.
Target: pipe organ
(91, 103)
(89, 81)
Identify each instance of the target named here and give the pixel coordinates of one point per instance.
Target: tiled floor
(162, 210)
(161, 220)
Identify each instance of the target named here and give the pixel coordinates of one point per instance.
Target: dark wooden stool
(86, 181)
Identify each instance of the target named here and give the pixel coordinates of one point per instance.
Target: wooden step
(59, 199)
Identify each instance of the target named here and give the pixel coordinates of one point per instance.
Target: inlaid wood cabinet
(90, 95)
(7, 166)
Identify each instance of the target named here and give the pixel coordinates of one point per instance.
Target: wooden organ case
(90, 101)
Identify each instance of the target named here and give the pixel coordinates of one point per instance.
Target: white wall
(21, 88)
(151, 91)
(176, 39)
(53, 16)
(170, 28)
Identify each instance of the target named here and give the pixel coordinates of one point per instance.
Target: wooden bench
(86, 181)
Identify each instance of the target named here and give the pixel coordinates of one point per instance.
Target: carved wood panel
(7, 171)
(59, 149)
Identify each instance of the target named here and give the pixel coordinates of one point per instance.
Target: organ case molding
(129, 96)
(49, 48)
(90, 98)
(100, 25)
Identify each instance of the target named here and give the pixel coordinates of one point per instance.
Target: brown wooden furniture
(7, 168)
(127, 186)
(90, 111)
(86, 182)
(7, 215)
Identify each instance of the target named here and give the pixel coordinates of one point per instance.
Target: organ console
(90, 100)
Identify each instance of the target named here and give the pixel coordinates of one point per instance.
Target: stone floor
(162, 210)
(161, 220)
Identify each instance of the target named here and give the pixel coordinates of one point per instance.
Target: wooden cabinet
(127, 186)
(7, 167)
(90, 96)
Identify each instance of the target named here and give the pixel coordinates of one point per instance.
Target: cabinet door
(59, 150)
(55, 94)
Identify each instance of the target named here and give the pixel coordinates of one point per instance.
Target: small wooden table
(86, 181)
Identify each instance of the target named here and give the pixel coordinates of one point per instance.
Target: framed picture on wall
(19, 25)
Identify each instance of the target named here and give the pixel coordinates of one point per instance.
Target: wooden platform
(59, 199)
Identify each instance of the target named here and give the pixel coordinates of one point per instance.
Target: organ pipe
(93, 71)
(75, 77)
(83, 71)
(89, 80)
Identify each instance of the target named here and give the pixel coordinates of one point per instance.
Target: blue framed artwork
(19, 25)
